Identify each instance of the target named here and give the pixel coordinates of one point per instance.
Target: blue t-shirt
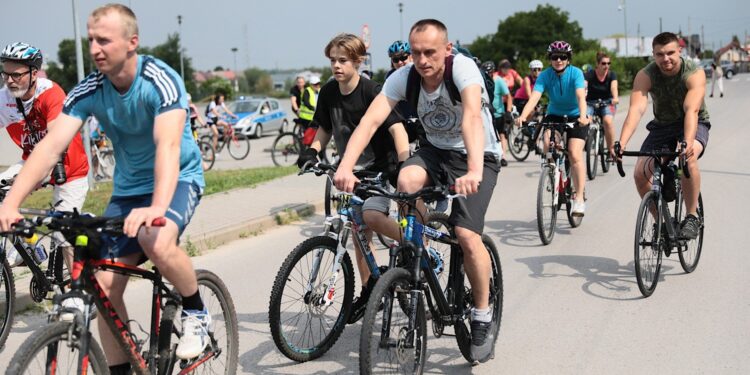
(561, 90)
(501, 89)
(128, 121)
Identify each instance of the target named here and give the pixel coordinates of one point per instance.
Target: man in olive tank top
(677, 87)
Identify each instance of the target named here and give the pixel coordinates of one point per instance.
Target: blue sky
(292, 33)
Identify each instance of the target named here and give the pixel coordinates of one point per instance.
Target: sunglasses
(397, 59)
(536, 70)
(14, 76)
(606, 63)
(558, 57)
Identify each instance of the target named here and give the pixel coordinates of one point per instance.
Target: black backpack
(414, 81)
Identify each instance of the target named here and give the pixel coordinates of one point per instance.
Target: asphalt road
(572, 307)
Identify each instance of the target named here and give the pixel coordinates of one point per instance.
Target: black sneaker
(359, 305)
(503, 162)
(669, 190)
(482, 341)
(690, 227)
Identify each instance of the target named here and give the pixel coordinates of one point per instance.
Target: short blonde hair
(129, 22)
(351, 44)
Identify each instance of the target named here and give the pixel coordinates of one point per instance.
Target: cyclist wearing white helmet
(524, 92)
(27, 104)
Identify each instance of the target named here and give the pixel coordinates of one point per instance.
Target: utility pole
(703, 39)
(625, 23)
(660, 25)
(236, 83)
(179, 32)
(401, 20)
(79, 70)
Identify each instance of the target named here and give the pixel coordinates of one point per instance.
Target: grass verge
(216, 182)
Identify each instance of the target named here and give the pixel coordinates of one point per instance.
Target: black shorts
(499, 124)
(580, 132)
(519, 104)
(664, 137)
(444, 167)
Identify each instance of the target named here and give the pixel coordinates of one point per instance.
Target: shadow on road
(520, 233)
(602, 277)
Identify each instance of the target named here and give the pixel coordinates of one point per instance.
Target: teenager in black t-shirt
(341, 105)
(602, 84)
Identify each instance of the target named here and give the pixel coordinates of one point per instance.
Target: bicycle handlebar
(428, 194)
(652, 154)
(72, 222)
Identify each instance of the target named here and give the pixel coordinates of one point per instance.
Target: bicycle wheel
(328, 197)
(330, 154)
(208, 155)
(285, 150)
(439, 221)
(7, 297)
(648, 242)
(603, 152)
(591, 155)
(303, 326)
(224, 346)
(51, 350)
(239, 148)
(546, 206)
(690, 252)
(518, 143)
(495, 303)
(403, 350)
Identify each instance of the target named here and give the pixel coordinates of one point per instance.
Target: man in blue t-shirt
(565, 88)
(141, 105)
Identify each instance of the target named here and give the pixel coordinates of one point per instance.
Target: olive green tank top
(668, 93)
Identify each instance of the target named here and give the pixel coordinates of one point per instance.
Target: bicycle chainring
(37, 291)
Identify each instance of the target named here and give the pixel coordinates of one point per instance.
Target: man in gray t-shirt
(462, 151)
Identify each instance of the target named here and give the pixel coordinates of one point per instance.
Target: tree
(526, 35)
(214, 85)
(66, 72)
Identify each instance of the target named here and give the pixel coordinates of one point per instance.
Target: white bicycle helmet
(536, 64)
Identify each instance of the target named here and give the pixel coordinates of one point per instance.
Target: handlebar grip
(683, 161)
(159, 222)
(618, 152)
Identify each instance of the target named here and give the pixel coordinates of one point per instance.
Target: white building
(636, 47)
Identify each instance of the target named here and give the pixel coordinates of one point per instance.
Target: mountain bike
(69, 346)
(238, 146)
(394, 330)
(657, 229)
(287, 147)
(595, 144)
(55, 278)
(555, 188)
(312, 294)
(523, 138)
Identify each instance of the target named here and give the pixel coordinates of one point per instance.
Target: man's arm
(37, 168)
(615, 92)
(638, 106)
(530, 105)
(168, 128)
(400, 140)
(322, 137)
(472, 132)
(696, 90)
(376, 114)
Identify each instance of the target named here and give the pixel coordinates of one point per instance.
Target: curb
(205, 242)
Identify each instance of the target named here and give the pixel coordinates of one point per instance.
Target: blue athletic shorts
(608, 110)
(186, 197)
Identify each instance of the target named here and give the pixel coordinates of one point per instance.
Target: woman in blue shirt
(565, 88)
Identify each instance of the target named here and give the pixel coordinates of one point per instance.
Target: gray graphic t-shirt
(440, 118)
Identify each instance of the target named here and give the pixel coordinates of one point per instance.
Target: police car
(258, 116)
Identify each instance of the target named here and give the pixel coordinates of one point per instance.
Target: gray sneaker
(690, 227)
(482, 341)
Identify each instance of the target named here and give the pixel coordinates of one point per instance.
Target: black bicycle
(596, 151)
(657, 230)
(523, 138)
(68, 347)
(555, 187)
(394, 330)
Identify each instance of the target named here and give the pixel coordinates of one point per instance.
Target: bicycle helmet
(488, 67)
(399, 47)
(536, 64)
(22, 53)
(560, 46)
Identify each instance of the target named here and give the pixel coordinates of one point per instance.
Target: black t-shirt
(599, 89)
(339, 114)
(297, 93)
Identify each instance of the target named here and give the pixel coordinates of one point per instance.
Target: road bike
(287, 147)
(312, 294)
(522, 139)
(394, 330)
(596, 152)
(238, 146)
(69, 346)
(555, 184)
(657, 227)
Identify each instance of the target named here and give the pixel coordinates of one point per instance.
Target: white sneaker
(194, 333)
(579, 208)
(68, 305)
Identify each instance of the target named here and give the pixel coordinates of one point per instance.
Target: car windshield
(245, 106)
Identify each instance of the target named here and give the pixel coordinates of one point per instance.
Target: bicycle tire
(496, 302)
(238, 148)
(226, 337)
(690, 254)
(50, 337)
(648, 251)
(285, 150)
(285, 339)
(518, 144)
(328, 198)
(545, 204)
(7, 299)
(392, 283)
(591, 155)
(208, 155)
(603, 152)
